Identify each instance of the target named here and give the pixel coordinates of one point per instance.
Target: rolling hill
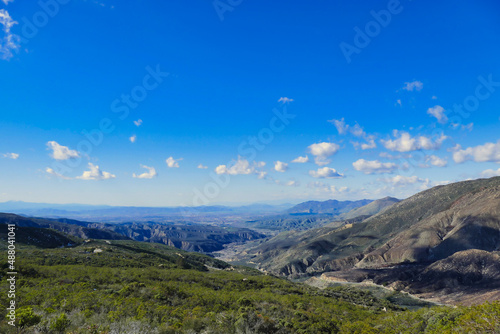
(427, 227)
(125, 286)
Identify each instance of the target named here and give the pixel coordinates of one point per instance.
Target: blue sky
(211, 102)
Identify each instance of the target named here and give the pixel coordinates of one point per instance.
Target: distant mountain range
(127, 213)
(190, 237)
(429, 231)
(330, 207)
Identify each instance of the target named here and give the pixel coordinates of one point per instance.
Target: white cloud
(490, 173)
(293, 183)
(290, 183)
(138, 122)
(328, 188)
(438, 112)
(146, 175)
(242, 167)
(357, 131)
(374, 166)
(340, 125)
(436, 161)
(434, 97)
(173, 163)
(344, 128)
(371, 143)
(201, 166)
(326, 173)
(280, 166)
(406, 143)
(9, 42)
(285, 100)
(482, 153)
(301, 160)
(469, 126)
(7, 1)
(60, 152)
(399, 103)
(322, 151)
(11, 155)
(400, 181)
(54, 173)
(133, 138)
(95, 173)
(414, 85)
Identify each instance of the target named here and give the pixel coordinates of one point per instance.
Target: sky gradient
(228, 102)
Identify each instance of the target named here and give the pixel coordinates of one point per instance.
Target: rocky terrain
(189, 237)
(422, 244)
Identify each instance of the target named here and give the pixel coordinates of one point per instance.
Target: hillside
(190, 237)
(71, 227)
(372, 208)
(427, 227)
(305, 221)
(128, 287)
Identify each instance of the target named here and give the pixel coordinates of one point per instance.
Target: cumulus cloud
(95, 173)
(370, 143)
(401, 181)
(290, 183)
(301, 160)
(344, 128)
(50, 171)
(414, 85)
(173, 163)
(7, 1)
(201, 166)
(438, 112)
(261, 174)
(280, 166)
(374, 166)
(340, 125)
(9, 42)
(285, 100)
(242, 167)
(436, 161)
(293, 183)
(357, 131)
(133, 138)
(11, 155)
(322, 151)
(407, 143)
(462, 127)
(490, 173)
(151, 172)
(325, 173)
(138, 122)
(481, 153)
(328, 188)
(60, 152)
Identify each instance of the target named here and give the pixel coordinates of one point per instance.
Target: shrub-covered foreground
(131, 287)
